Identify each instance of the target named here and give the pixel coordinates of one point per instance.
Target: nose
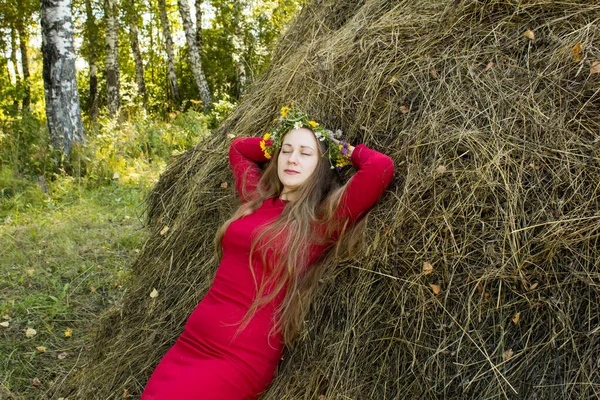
(293, 158)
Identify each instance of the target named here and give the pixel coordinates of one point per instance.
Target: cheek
(313, 165)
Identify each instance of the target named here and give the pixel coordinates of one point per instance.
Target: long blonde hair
(295, 229)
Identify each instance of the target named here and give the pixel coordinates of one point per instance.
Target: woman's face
(298, 158)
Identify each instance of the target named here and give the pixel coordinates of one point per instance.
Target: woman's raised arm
(375, 173)
(244, 156)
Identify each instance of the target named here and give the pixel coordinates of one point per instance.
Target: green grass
(63, 257)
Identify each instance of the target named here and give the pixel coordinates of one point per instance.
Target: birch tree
(196, 63)
(22, 15)
(60, 85)
(132, 17)
(13, 59)
(91, 33)
(166, 27)
(113, 84)
(198, 4)
(238, 46)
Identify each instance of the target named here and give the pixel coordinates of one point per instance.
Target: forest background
(71, 220)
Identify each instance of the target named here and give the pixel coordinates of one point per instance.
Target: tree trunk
(13, 59)
(198, 4)
(60, 84)
(92, 31)
(166, 27)
(112, 56)
(137, 53)
(23, 38)
(238, 47)
(188, 27)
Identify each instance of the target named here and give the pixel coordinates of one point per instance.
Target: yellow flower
(284, 111)
(267, 136)
(267, 155)
(263, 146)
(340, 147)
(312, 124)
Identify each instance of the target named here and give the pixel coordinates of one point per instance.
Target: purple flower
(338, 133)
(339, 169)
(344, 149)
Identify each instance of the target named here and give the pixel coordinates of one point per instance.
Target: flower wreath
(291, 118)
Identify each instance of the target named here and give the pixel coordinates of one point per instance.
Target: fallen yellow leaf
(434, 74)
(224, 185)
(516, 318)
(30, 332)
(489, 66)
(533, 286)
(36, 382)
(404, 109)
(230, 136)
(529, 34)
(441, 169)
(6, 317)
(427, 268)
(154, 293)
(436, 288)
(507, 355)
(4, 324)
(576, 52)
(393, 79)
(164, 230)
(41, 349)
(69, 332)
(595, 69)
(62, 356)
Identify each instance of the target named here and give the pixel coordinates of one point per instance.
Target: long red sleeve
(244, 156)
(375, 173)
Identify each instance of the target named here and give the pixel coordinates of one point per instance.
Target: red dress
(209, 361)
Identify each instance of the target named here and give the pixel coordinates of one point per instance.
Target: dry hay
(495, 131)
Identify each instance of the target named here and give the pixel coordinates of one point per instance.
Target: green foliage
(25, 146)
(115, 149)
(63, 261)
(18, 194)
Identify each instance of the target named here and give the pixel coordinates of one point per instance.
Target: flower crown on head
(291, 118)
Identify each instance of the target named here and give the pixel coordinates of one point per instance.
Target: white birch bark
(238, 47)
(113, 83)
(23, 39)
(60, 85)
(198, 4)
(137, 53)
(92, 32)
(166, 27)
(13, 59)
(195, 61)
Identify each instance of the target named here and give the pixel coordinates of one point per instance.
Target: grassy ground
(63, 257)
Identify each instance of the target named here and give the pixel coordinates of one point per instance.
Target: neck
(288, 195)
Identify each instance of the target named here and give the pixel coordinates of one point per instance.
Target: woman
(290, 214)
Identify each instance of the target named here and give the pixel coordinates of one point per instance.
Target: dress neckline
(277, 200)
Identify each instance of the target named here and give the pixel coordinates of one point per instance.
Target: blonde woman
(291, 214)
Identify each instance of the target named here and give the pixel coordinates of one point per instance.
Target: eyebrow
(306, 147)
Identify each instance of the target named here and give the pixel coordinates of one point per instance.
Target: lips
(290, 172)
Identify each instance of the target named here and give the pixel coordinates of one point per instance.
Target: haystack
(481, 277)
